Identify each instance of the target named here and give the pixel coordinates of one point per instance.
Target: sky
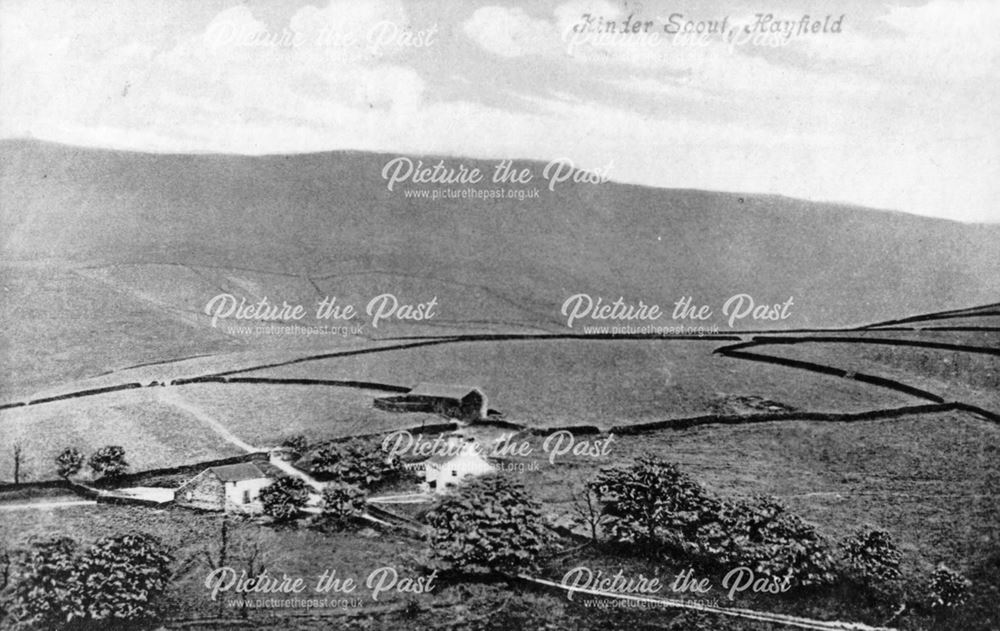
(894, 110)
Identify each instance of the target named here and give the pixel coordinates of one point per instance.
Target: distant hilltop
(327, 223)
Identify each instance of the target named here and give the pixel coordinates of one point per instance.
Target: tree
(43, 595)
(359, 462)
(284, 498)
(779, 544)
(588, 510)
(109, 462)
(871, 555)
(343, 505)
(122, 577)
(69, 462)
(490, 525)
(241, 545)
(17, 463)
(651, 502)
(116, 581)
(948, 589)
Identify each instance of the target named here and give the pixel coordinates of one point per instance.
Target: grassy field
(59, 326)
(153, 434)
(576, 382)
(264, 415)
(953, 375)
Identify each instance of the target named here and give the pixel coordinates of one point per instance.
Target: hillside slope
(162, 234)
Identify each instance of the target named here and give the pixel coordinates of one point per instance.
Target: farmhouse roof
(237, 472)
(444, 391)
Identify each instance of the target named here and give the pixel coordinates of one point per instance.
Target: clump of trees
(652, 503)
(360, 462)
(490, 525)
(116, 581)
(284, 498)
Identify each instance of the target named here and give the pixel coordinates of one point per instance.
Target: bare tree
(587, 506)
(241, 545)
(17, 463)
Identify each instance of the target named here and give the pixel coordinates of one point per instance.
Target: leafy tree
(651, 502)
(109, 461)
(343, 505)
(43, 596)
(780, 544)
(284, 498)
(948, 589)
(359, 462)
(117, 581)
(121, 577)
(871, 555)
(69, 462)
(490, 525)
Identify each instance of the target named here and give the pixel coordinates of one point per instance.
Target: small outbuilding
(466, 403)
(231, 488)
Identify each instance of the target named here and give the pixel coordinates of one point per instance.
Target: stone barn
(467, 403)
(231, 488)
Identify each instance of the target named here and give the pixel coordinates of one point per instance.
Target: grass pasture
(601, 382)
(265, 414)
(153, 433)
(953, 375)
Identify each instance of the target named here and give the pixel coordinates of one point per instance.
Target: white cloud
(510, 32)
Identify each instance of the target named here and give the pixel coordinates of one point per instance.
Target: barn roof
(237, 472)
(444, 391)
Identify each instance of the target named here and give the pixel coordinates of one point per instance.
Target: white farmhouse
(463, 461)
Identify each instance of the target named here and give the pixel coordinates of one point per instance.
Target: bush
(117, 581)
(109, 461)
(69, 462)
(871, 555)
(490, 525)
(343, 505)
(359, 462)
(948, 589)
(284, 498)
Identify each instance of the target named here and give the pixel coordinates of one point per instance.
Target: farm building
(233, 488)
(443, 472)
(467, 403)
